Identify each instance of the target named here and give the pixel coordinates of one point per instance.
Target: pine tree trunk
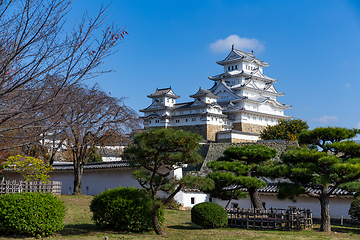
(155, 220)
(325, 213)
(77, 179)
(255, 199)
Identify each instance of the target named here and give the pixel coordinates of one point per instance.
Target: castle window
(157, 121)
(149, 121)
(232, 67)
(235, 66)
(192, 200)
(193, 119)
(229, 68)
(185, 120)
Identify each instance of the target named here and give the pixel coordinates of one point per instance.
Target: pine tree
(331, 159)
(238, 169)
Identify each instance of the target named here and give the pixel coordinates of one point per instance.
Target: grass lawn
(78, 225)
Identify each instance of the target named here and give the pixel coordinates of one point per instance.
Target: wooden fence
(13, 186)
(275, 218)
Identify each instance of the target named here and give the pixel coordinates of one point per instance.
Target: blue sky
(313, 48)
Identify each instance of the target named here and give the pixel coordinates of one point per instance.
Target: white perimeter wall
(338, 206)
(95, 182)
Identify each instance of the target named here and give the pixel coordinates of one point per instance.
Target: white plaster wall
(185, 198)
(338, 206)
(233, 135)
(267, 108)
(95, 182)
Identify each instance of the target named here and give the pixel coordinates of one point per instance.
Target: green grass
(78, 225)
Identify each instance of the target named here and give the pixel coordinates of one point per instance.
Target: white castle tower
(237, 108)
(247, 96)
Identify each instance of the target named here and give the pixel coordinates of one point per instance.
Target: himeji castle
(241, 103)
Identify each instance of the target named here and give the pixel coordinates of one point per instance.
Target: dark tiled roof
(272, 188)
(203, 92)
(98, 165)
(164, 92)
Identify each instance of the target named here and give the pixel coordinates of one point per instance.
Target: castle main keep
(241, 103)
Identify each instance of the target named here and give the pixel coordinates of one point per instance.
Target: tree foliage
(331, 159)
(286, 129)
(32, 169)
(95, 156)
(160, 152)
(237, 169)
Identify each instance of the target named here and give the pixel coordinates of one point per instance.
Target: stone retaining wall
(216, 149)
(248, 127)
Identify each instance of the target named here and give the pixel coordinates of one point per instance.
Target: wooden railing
(275, 218)
(14, 186)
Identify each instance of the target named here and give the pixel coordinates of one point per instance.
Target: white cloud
(327, 119)
(346, 85)
(358, 125)
(223, 45)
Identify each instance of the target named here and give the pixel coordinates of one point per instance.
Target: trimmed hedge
(126, 209)
(209, 215)
(37, 214)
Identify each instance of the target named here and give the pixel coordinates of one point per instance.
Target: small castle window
(235, 66)
(185, 120)
(229, 68)
(192, 200)
(232, 67)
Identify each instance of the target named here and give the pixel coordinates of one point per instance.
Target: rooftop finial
(232, 48)
(252, 52)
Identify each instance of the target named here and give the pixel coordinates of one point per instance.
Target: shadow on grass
(185, 226)
(78, 229)
(346, 229)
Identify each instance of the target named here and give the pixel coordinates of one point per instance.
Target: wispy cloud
(326, 119)
(346, 85)
(345, 63)
(223, 45)
(358, 125)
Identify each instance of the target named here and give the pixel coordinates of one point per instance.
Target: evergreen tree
(286, 129)
(160, 152)
(238, 169)
(331, 159)
(94, 155)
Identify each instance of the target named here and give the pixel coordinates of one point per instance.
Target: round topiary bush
(354, 210)
(126, 209)
(38, 214)
(209, 215)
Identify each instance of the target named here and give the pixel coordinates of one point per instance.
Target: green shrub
(354, 210)
(209, 215)
(38, 214)
(127, 209)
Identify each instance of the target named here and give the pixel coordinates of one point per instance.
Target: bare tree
(40, 62)
(91, 118)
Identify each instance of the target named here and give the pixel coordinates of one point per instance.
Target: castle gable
(154, 106)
